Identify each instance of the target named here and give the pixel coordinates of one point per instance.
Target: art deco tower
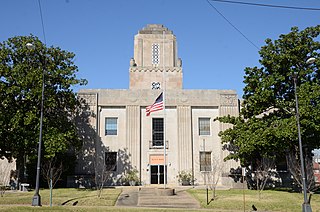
(155, 49)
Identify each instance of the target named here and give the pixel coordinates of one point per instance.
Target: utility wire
(243, 35)
(268, 5)
(42, 23)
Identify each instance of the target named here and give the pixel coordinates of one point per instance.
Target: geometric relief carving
(228, 99)
(155, 53)
(183, 98)
(134, 96)
(90, 99)
(152, 69)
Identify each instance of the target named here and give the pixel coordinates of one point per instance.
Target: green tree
(267, 124)
(21, 75)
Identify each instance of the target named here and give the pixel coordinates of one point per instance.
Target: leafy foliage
(22, 71)
(267, 124)
(185, 177)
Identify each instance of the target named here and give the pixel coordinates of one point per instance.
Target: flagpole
(164, 116)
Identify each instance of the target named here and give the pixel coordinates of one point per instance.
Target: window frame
(157, 142)
(202, 128)
(111, 124)
(207, 165)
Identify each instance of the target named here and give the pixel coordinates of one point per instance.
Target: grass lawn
(87, 200)
(63, 200)
(269, 201)
(85, 209)
(64, 196)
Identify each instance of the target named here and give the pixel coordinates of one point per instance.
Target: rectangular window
(111, 126)
(157, 132)
(205, 161)
(111, 161)
(155, 53)
(204, 126)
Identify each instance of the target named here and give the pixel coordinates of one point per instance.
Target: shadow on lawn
(88, 196)
(76, 202)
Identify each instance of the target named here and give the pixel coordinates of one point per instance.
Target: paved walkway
(150, 197)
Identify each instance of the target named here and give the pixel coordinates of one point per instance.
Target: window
(205, 161)
(204, 126)
(157, 132)
(111, 126)
(281, 164)
(155, 53)
(111, 161)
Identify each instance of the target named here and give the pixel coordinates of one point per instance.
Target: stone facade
(155, 50)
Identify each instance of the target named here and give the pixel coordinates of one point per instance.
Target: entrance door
(157, 174)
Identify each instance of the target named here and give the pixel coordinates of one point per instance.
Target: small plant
(131, 177)
(184, 177)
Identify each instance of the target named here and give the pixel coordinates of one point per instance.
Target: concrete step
(151, 197)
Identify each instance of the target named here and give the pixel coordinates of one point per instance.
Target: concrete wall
(205, 143)
(184, 108)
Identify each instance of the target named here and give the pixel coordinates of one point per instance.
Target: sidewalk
(150, 197)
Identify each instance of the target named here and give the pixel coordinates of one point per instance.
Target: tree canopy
(22, 71)
(267, 124)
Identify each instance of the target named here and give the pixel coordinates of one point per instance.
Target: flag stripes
(156, 106)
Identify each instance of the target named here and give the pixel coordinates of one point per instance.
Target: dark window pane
(154, 174)
(111, 161)
(157, 132)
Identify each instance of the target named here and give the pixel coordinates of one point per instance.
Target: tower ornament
(228, 100)
(155, 85)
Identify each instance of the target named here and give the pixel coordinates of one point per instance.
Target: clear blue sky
(101, 32)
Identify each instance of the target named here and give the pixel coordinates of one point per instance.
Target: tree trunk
(20, 168)
(214, 193)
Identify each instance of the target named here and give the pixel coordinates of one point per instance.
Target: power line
(267, 5)
(42, 24)
(243, 35)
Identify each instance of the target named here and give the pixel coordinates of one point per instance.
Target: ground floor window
(205, 161)
(111, 161)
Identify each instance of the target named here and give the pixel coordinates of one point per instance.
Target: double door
(157, 174)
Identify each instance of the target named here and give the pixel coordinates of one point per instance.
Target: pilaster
(133, 134)
(228, 106)
(184, 138)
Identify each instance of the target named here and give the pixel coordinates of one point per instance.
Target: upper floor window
(204, 126)
(111, 126)
(157, 132)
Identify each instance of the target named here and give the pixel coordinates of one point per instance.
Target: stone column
(228, 106)
(184, 138)
(133, 134)
(88, 128)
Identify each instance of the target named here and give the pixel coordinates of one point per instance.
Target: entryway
(157, 174)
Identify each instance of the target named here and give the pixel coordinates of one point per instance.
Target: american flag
(157, 105)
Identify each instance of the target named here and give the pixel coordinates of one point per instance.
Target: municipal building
(119, 136)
